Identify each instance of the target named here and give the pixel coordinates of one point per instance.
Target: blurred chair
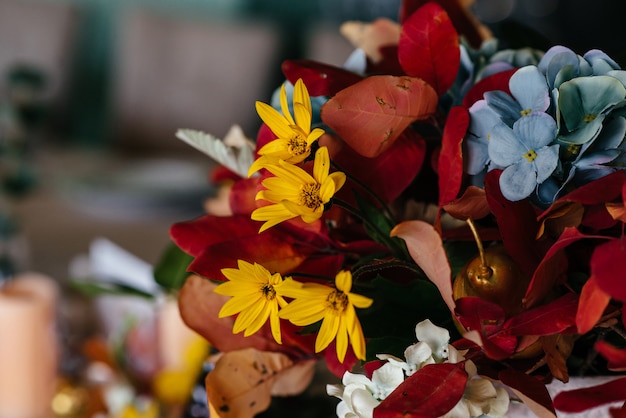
(173, 72)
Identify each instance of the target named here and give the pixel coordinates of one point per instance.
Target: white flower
(436, 337)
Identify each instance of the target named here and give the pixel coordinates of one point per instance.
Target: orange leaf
(472, 204)
(241, 384)
(371, 114)
(593, 301)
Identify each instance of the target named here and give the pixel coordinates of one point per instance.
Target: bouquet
(440, 221)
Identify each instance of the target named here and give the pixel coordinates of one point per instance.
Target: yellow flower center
(530, 155)
(310, 196)
(525, 112)
(589, 118)
(572, 150)
(268, 291)
(337, 300)
(297, 143)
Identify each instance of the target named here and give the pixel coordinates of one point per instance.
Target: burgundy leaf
(497, 81)
(371, 114)
(388, 174)
(552, 318)
(486, 318)
(320, 79)
(429, 47)
(517, 223)
(587, 398)
(430, 392)
(552, 266)
(531, 390)
(472, 204)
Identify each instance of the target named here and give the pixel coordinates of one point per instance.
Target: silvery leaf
(235, 151)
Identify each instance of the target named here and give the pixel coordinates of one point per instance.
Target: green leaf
(379, 227)
(397, 308)
(460, 253)
(94, 288)
(171, 270)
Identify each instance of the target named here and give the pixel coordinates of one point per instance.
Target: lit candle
(28, 346)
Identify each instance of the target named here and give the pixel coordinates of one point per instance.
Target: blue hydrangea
(526, 152)
(529, 93)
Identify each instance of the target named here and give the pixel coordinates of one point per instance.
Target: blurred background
(93, 91)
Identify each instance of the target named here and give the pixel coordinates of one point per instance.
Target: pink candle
(28, 346)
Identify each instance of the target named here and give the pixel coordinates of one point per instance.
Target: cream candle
(28, 346)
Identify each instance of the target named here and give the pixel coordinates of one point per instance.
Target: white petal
(335, 390)
(363, 403)
(499, 406)
(436, 337)
(386, 379)
(418, 354)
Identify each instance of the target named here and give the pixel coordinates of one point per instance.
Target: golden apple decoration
(493, 276)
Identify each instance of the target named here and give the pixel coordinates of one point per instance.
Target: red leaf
(552, 266)
(388, 174)
(487, 319)
(472, 204)
(429, 47)
(430, 392)
(426, 248)
(552, 318)
(320, 79)
(517, 223)
(608, 264)
(593, 302)
(497, 81)
(583, 399)
(218, 242)
(462, 18)
(616, 357)
(450, 166)
(531, 390)
(242, 196)
(371, 114)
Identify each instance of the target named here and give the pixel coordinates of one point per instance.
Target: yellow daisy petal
(327, 332)
(284, 106)
(303, 116)
(274, 120)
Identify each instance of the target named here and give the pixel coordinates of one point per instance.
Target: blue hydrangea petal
(518, 181)
(584, 98)
(535, 130)
(504, 105)
(588, 132)
(530, 89)
(600, 62)
(547, 191)
(505, 148)
(612, 134)
(619, 74)
(555, 60)
(546, 162)
(482, 120)
(599, 157)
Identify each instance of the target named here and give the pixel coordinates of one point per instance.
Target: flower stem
(381, 236)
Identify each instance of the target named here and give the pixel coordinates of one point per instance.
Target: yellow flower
(294, 137)
(334, 306)
(294, 192)
(256, 296)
